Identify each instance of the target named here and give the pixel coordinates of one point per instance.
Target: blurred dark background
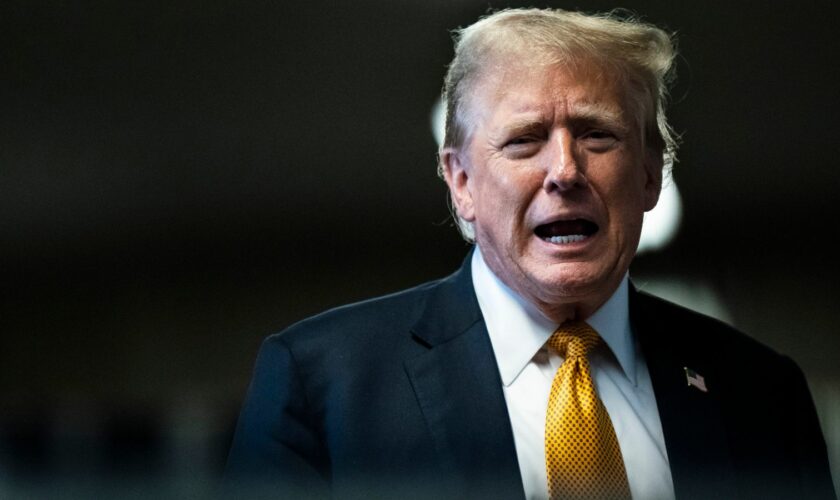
(180, 179)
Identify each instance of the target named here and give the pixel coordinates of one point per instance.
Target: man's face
(555, 179)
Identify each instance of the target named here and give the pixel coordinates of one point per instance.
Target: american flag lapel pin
(695, 380)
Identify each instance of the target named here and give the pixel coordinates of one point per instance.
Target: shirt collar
(518, 330)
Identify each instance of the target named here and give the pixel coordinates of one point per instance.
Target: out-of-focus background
(180, 179)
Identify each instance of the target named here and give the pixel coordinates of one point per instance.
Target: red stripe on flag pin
(694, 379)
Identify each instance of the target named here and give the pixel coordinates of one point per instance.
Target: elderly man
(536, 370)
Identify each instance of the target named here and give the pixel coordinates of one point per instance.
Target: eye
(599, 134)
(524, 139)
(522, 146)
(599, 139)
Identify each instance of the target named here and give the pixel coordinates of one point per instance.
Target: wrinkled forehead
(507, 80)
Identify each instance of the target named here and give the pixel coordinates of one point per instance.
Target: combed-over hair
(640, 54)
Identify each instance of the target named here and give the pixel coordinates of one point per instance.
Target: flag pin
(695, 380)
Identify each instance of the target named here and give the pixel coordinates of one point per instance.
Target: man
(536, 370)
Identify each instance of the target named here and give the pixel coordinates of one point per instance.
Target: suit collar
(450, 309)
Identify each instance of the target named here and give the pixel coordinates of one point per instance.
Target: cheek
(500, 180)
(520, 184)
(500, 191)
(502, 203)
(517, 194)
(624, 197)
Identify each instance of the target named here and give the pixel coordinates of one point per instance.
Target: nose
(564, 170)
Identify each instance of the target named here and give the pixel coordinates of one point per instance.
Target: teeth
(572, 238)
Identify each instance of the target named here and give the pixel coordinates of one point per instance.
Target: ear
(457, 176)
(653, 177)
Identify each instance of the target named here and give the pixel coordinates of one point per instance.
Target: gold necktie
(582, 456)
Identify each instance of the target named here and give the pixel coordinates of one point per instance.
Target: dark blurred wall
(180, 179)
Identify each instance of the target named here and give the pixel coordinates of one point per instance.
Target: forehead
(517, 87)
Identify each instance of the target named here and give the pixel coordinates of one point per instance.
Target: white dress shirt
(518, 332)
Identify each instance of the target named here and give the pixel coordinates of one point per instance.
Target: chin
(570, 282)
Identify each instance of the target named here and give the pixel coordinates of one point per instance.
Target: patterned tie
(583, 459)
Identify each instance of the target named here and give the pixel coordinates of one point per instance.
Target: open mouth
(566, 231)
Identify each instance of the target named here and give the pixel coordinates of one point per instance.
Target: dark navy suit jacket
(400, 397)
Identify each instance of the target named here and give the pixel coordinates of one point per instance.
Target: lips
(566, 231)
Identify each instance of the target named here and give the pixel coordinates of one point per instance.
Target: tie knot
(575, 339)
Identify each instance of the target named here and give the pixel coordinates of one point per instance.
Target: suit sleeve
(277, 448)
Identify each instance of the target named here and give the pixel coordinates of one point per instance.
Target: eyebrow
(598, 114)
(589, 113)
(524, 124)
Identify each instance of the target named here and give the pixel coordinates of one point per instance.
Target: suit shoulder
(707, 332)
(395, 311)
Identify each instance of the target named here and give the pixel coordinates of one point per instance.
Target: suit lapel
(459, 391)
(695, 436)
